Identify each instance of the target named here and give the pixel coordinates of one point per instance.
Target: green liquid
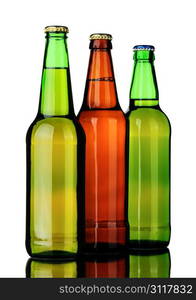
(53, 186)
(55, 92)
(149, 177)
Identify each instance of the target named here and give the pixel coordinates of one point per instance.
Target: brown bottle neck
(100, 91)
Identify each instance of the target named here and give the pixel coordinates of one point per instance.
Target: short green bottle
(148, 157)
(55, 156)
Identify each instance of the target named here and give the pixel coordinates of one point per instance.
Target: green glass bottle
(51, 269)
(147, 264)
(55, 156)
(148, 157)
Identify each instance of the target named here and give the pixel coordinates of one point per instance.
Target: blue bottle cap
(144, 47)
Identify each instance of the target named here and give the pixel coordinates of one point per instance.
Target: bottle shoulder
(148, 118)
(147, 114)
(48, 127)
(101, 114)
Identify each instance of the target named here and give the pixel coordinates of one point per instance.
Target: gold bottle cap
(100, 36)
(56, 29)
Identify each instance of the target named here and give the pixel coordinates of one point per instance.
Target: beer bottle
(104, 124)
(55, 143)
(149, 157)
(149, 264)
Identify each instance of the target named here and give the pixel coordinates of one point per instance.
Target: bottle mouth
(143, 53)
(100, 41)
(143, 48)
(56, 29)
(100, 36)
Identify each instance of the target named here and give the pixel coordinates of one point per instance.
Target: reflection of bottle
(51, 269)
(104, 124)
(147, 264)
(105, 267)
(55, 142)
(149, 157)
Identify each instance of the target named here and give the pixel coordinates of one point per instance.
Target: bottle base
(53, 255)
(147, 244)
(103, 248)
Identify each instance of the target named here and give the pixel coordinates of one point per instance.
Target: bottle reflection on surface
(136, 264)
(147, 264)
(51, 269)
(105, 267)
(85, 267)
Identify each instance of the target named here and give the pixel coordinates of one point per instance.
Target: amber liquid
(105, 178)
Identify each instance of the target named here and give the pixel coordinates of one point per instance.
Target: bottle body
(104, 125)
(55, 156)
(105, 178)
(149, 178)
(148, 158)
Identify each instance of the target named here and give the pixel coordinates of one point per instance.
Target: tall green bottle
(55, 146)
(148, 157)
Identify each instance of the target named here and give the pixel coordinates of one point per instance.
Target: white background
(169, 25)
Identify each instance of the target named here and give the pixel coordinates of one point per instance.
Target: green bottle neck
(144, 89)
(56, 93)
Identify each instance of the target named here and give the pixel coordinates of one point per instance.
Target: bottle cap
(56, 29)
(100, 36)
(143, 47)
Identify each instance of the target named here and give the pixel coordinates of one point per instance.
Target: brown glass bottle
(105, 126)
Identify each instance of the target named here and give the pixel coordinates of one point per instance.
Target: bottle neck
(144, 89)
(56, 93)
(100, 90)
